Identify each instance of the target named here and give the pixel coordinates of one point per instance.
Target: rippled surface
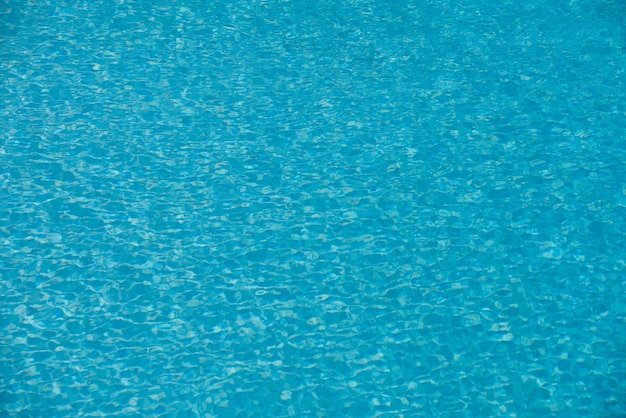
(312, 208)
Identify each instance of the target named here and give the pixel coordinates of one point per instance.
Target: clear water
(313, 208)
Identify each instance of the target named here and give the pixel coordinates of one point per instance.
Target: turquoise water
(313, 208)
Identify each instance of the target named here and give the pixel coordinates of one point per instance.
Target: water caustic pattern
(312, 208)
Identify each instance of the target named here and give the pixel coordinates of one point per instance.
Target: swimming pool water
(313, 208)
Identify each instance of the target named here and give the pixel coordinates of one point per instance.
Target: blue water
(313, 208)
